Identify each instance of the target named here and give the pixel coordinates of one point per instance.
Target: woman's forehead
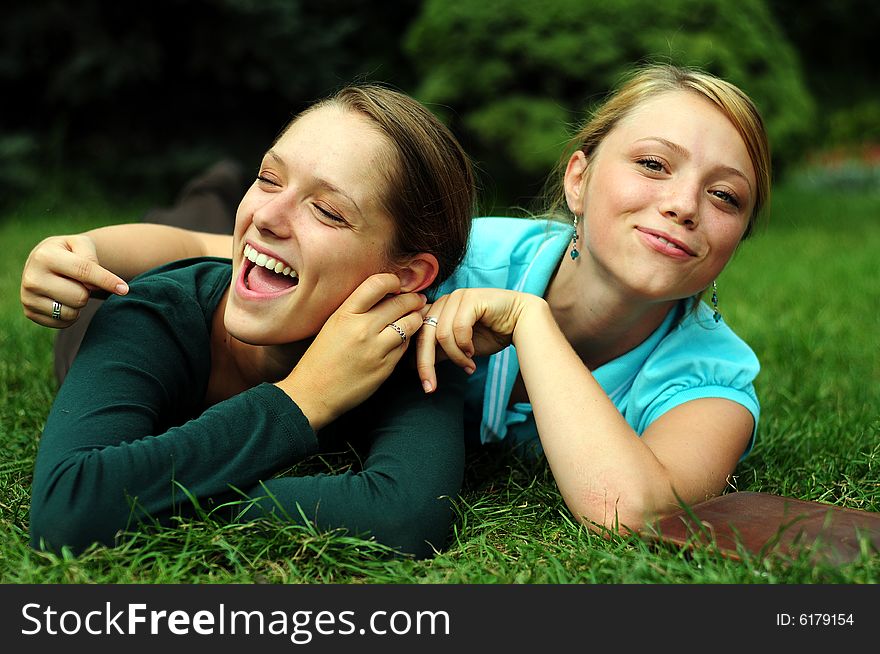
(340, 146)
(691, 122)
(334, 127)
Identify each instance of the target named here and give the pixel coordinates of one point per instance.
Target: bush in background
(513, 76)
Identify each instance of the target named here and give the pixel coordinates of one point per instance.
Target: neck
(600, 319)
(237, 366)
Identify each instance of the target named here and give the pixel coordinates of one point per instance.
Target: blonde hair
(652, 80)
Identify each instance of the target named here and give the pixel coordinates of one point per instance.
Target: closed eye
(330, 215)
(265, 180)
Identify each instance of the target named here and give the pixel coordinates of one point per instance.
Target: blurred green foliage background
(134, 98)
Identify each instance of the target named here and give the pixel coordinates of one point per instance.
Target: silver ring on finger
(430, 320)
(56, 309)
(399, 331)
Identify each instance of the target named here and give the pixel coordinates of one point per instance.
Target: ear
(418, 273)
(575, 182)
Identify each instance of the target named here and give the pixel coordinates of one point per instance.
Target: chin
(247, 330)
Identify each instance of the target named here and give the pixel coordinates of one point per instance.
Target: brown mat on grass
(763, 524)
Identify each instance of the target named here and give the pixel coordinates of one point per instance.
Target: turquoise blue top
(686, 358)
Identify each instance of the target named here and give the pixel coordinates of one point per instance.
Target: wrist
(310, 400)
(534, 313)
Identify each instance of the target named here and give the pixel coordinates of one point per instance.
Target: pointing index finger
(90, 273)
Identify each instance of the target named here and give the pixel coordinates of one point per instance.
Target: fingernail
(424, 297)
(470, 370)
(122, 288)
(427, 386)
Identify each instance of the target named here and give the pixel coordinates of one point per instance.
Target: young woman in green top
(210, 378)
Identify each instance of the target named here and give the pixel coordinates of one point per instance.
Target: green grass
(804, 293)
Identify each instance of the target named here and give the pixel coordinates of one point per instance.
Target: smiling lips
(266, 276)
(665, 245)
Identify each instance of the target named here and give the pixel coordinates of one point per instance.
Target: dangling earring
(574, 240)
(717, 314)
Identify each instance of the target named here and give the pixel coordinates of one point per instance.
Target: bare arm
(607, 474)
(68, 269)
(133, 248)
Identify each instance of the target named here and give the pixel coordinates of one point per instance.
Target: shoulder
(697, 358)
(701, 340)
(187, 273)
(511, 239)
(502, 252)
(162, 325)
(199, 282)
(179, 298)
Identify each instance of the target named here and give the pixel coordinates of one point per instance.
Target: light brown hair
(430, 191)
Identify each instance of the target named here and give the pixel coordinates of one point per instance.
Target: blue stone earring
(717, 314)
(574, 240)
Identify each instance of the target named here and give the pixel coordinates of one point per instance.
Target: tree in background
(151, 92)
(512, 76)
(837, 44)
(146, 94)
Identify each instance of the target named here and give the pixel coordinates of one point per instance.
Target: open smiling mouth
(266, 275)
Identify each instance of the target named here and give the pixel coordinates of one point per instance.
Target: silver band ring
(430, 320)
(399, 331)
(56, 310)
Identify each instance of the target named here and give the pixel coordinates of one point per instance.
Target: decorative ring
(399, 331)
(56, 310)
(430, 320)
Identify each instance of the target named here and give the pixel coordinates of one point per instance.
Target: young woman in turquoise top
(642, 397)
(664, 182)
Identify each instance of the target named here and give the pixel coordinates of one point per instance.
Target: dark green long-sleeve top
(128, 431)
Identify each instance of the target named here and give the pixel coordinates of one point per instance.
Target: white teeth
(665, 242)
(268, 262)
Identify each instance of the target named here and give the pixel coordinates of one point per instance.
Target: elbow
(416, 527)
(613, 508)
(62, 516)
(52, 530)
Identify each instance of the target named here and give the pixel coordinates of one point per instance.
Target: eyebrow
(684, 152)
(323, 183)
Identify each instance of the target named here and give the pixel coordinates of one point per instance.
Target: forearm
(133, 248)
(403, 494)
(605, 472)
(98, 471)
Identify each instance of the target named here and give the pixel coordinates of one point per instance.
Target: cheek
(244, 213)
(364, 253)
(344, 262)
(616, 193)
(727, 236)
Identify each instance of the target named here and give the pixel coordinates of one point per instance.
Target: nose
(681, 205)
(274, 217)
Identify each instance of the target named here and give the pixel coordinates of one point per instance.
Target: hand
(64, 269)
(470, 322)
(356, 350)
